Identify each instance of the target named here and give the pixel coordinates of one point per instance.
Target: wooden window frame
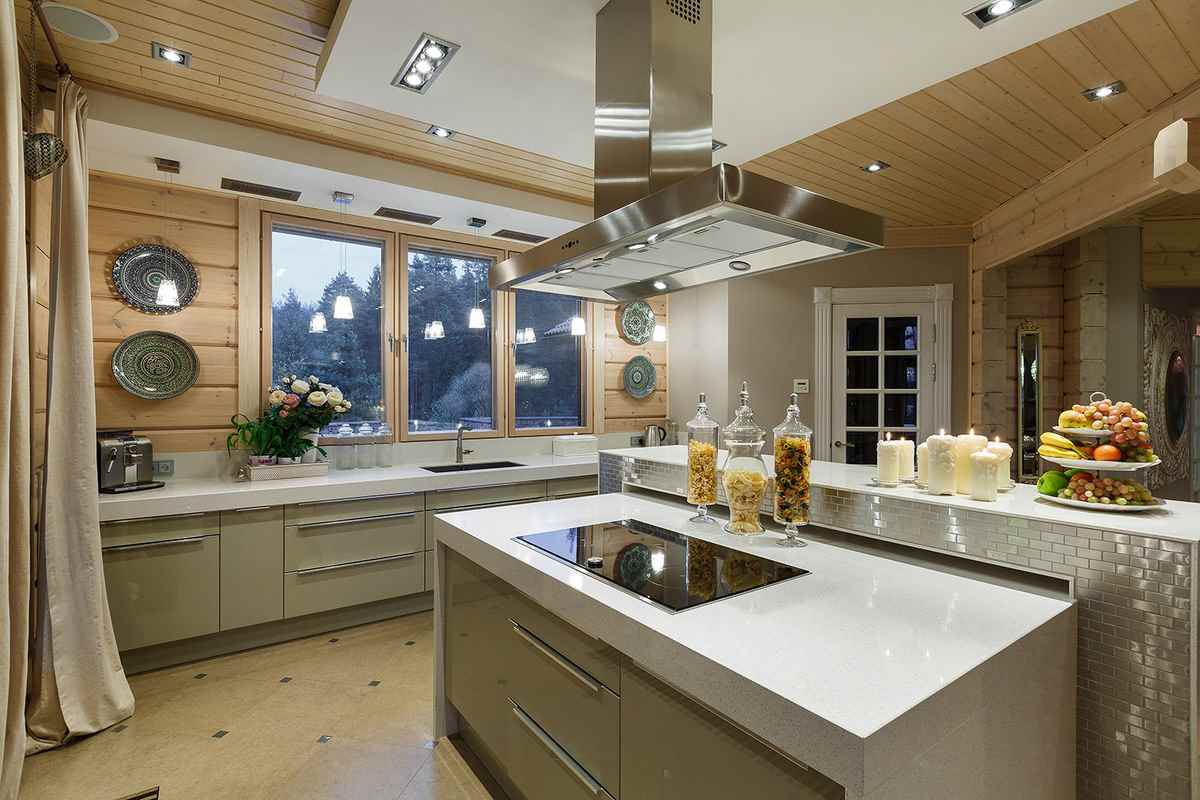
(586, 374)
(500, 371)
(390, 312)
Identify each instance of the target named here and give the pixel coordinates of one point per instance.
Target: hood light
(660, 285)
(636, 246)
(426, 60)
(1105, 91)
(564, 270)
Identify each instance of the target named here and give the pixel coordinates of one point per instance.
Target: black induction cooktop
(671, 569)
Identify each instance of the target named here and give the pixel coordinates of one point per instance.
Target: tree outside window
(550, 346)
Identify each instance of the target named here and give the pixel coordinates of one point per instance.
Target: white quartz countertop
(841, 652)
(188, 496)
(1177, 520)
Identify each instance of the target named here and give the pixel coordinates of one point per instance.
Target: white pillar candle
(923, 464)
(907, 449)
(888, 459)
(968, 443)
(1005, 451)
(985, 465)
(942, 453)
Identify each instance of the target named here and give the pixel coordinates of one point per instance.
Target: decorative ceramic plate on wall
(139, 272)
(635, 321)
(155, 365)
(640, 377)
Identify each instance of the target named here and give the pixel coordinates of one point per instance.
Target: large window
(451, 365)
(549, 364)
(328, 311)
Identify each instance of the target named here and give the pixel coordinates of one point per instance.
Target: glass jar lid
(702, 419)
(743, 429)
(791, 425)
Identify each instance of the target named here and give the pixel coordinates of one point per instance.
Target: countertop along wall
(771, 325)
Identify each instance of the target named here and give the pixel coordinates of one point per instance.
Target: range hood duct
(666, 219)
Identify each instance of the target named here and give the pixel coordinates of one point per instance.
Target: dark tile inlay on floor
(324, 739)
(409, 643)
(285, 679)
(200, 675)
(332, 641)
(373, 683)
(220, 734)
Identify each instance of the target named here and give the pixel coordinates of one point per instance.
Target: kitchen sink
(472, 467)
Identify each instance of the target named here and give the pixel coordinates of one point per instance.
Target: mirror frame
(1028, 329)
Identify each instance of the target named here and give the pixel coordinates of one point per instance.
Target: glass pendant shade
(342, 309)
(530, 336)
(578, 326)
(317, 323)
(435, 330)
(476, 321)
(168, 294)
(660, 332)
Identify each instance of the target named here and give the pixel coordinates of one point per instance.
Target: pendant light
(436, 330)
(342, 307)
(578, 326)
(168, 293)
(660, 332)
(476, 320)
(317, 323)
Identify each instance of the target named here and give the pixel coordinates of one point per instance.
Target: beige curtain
(15, 421)
(77, 685)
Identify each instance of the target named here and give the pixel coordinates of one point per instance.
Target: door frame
(941, 295)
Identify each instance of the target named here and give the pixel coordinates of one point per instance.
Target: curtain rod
(59, 64)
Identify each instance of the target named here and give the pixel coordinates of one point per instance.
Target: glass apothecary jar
(793, 462)
(745, 475)
(702, 433)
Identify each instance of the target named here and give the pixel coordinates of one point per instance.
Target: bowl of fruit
(1105, 419)
(1084, 489)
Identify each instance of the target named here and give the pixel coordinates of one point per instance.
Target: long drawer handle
(562, 663)
(354, 499)
(159, 519)
(253, 508)
(157, 543)
(555, 750)
(331, 523)
(364, 562)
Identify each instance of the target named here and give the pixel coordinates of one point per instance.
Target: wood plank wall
(204, 227)
(1171, 253)
(39, 196)
(623, 413)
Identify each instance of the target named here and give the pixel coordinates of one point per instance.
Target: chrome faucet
(459, 452)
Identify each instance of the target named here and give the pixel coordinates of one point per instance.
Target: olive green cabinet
(251, 566)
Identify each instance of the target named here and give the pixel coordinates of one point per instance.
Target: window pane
(900, 333)
(862, 334)
(316, 332)
(900, 372)
(899, 410)
(862, 372)
(549, 373)
(449, 342)
(862, 410)
(860, 447)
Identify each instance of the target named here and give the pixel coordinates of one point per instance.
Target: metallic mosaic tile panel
(1136, 626)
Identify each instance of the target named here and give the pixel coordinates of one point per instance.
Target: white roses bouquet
(295, 408)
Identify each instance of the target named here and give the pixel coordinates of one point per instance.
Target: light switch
(800, 385)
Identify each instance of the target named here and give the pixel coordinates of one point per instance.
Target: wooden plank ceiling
(961, 148)
(255, 61)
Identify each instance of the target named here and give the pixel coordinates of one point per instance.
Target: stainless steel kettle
(654, 435)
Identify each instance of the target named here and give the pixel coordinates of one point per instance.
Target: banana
(1058, 452)
(1055, 440)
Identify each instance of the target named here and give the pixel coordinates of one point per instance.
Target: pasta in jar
(793, 459)
(702, 473)
(744, 489)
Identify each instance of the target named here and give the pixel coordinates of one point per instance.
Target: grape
(1107, 491)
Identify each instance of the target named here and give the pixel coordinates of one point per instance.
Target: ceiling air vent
(532, 238)
(406, 216)
(246, 187)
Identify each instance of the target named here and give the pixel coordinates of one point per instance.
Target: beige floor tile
(342, 769)
(445, 777)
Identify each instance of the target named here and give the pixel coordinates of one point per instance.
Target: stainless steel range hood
(666, 219)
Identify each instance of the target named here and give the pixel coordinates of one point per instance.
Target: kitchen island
(867, 678)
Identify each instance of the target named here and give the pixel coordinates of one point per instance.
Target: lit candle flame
(941, 432)
(889, 436)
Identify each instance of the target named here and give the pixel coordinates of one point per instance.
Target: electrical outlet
(800, 385)
(164, 468)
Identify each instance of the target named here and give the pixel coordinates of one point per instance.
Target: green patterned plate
(636, 321)
(640, 377)
(155, 365)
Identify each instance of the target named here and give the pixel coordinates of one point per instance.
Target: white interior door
(883, 374)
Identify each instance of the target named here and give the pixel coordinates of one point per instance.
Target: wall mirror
(1165, 383)
(1029, 401)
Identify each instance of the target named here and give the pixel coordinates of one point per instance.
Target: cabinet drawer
(334, 510)
(322, 544)
(156, 529)
(541, 768)
(572, 487)
(430, 514)
(327, 588)
(163, 590)
(484, 495)
(592, 655)
(579, 713)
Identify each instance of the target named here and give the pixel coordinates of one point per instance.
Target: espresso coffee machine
(125, 462)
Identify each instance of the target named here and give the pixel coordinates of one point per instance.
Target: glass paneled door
(882, 376)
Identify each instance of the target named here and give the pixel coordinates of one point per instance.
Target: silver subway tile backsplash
(1137, 623)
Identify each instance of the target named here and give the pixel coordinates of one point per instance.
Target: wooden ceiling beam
(1177, 156)
(1116, 178)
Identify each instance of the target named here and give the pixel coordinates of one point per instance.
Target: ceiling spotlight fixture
(440, 132)
(993, 11)
(171, 55)
(564, 270)
(876, 166)
(660, 285)
(476, 222)
(426, 60)
(1107, 90)
(739, 266)
(717, 145)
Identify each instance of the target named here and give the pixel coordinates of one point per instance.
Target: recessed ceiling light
(563, 270)
(876, 166)
(440, 132)
(660, 285)
(739, 266)
(636, 246)
(426, 60)
(172, 55)
(717, 145)
(993, 11)
(1107, 90)
(79, 24)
